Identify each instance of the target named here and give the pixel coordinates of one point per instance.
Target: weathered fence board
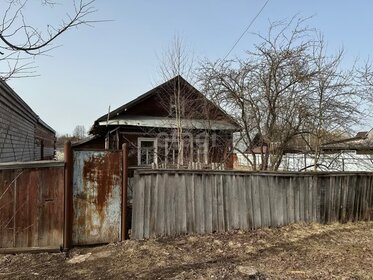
(31, 205)
(171, 202)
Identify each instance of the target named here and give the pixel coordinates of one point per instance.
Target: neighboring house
(23, 135)
(171, 125)
(350, 154)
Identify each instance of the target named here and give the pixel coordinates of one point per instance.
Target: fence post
(68, 200)
(124, 233)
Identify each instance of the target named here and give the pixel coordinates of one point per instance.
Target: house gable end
(158, 103)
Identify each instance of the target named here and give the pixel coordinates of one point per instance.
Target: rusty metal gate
(97, 197)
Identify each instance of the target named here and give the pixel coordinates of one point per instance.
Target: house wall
(45, 143)
(17, 126)
(218, 151)
(21, 134)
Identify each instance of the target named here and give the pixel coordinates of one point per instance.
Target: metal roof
(164, 122)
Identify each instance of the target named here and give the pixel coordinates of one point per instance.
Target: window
(172, 152)
(200, 150)
(147, 150)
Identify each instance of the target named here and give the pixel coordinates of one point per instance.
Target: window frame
(147, 139)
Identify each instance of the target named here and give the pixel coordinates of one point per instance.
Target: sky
(113, 62)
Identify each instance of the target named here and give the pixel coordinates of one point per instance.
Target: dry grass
(293, 252)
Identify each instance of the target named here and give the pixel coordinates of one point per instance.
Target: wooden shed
(23, 135)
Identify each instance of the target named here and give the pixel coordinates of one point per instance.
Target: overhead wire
(246, 29)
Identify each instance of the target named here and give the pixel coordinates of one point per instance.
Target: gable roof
(154, 91)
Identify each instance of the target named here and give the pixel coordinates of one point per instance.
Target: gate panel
(97, 184)
(31, 205)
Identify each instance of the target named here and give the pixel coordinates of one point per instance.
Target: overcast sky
(116, 61)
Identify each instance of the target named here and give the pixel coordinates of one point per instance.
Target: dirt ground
(338, 251)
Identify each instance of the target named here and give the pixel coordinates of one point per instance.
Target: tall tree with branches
(286, 88)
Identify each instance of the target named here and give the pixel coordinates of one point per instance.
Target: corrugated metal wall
(168, 203)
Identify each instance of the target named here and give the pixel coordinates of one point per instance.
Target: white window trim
(139, 140)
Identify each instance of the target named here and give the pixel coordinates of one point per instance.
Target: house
(348, 154)
(172, 125)
(23, 135)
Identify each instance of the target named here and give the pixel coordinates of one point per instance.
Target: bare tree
(334, 100)
(190, 143)
(176, 62)
(21, 41)
(285, 89)
(79, 132)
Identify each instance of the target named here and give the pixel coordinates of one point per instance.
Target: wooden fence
(171, 202)
(31, 206)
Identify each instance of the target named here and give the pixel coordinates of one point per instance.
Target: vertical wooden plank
(350, 198)
(168, 194)
(273, 197)
(227, 183)
(315, 203)
(264, 201)
(161, 206)
(283, 187)
(154, 206)
(296, 187)
(207, 201)
(344, 189)
(214, 197)
(290, 201)
(220, 203)
(21, 185)
(42, 212)
(249, 202)
(370, 199)
(369, 209)
(7, 212)
(363, 214)
(243, 208)
(301, 200)
(234, 203)
(256, 202)
(306, 201)
(173, 193)
(322, 199)
(335, 209)
(339, 206)
(138, 206)
(181, 214)
(147, 204)
(355, 199)
(191, 225)
(199, 204)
